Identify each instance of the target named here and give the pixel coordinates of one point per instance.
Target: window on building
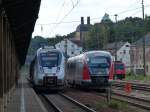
(121, 59)
(72, 52)
(124, 51)
(127, 45)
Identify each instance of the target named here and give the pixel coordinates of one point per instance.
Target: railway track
(133, 100)
(63, 103)
(135, 85)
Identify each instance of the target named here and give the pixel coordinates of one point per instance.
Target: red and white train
(93, 69)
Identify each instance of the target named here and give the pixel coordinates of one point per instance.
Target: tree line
(130, 29)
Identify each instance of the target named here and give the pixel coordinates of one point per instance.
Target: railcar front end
(49, 69)
(96, 70)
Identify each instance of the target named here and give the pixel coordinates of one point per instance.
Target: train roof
(40, 50)
(103, 53)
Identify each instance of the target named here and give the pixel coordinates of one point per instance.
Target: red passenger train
(93, 69)
(119, 70)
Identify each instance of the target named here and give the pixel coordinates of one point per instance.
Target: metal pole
(108, 93)
(144, 64)
(116, 40)
(81, 39)
(66, 47)
(66, 55)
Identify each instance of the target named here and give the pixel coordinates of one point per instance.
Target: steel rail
(80, 105)
(135, 86)
(134, 103)
(131, 100)
(77, 103)
(57, 109)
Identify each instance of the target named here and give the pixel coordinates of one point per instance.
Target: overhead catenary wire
(72, 3)
(68, 12)
(75, 5)
(77, 21)
(129, 10)
(136, 12)
(58, 15)
(74, 21)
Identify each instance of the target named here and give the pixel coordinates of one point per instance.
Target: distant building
(82, 31)
(73, 47)
(137, 55)
(123, 52)
(106, 18)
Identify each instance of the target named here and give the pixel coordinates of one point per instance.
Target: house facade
(73, 47)
(123, 52)
(137, 56)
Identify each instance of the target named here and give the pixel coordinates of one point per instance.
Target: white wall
(72, 49)
(123, 54)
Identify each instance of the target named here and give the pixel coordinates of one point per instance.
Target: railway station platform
(24, 99)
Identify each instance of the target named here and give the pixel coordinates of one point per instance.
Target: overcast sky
(53, 11)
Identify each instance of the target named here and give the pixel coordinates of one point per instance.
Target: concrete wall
(8, 61)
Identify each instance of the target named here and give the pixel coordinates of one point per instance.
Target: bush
(129, 73)
(114, 105)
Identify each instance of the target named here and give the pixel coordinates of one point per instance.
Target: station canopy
(22, 15)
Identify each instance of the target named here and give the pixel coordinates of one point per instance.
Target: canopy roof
(22, 15)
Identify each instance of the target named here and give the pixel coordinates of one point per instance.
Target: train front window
(119, 66)
(101, 62)
(49, 59)
(98, 65)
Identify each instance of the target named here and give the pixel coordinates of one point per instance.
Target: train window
(119, 66)
(50, 59)
(98, 60)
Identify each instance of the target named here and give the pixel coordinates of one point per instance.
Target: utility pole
(66, 55)
(116, 39)
(144, 64)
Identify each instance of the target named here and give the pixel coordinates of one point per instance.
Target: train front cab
(97, 74)
(49, 72)
(119, 70)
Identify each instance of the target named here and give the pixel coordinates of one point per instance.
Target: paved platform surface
(24, 99)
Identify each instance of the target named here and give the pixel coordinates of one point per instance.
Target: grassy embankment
(140, 77)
